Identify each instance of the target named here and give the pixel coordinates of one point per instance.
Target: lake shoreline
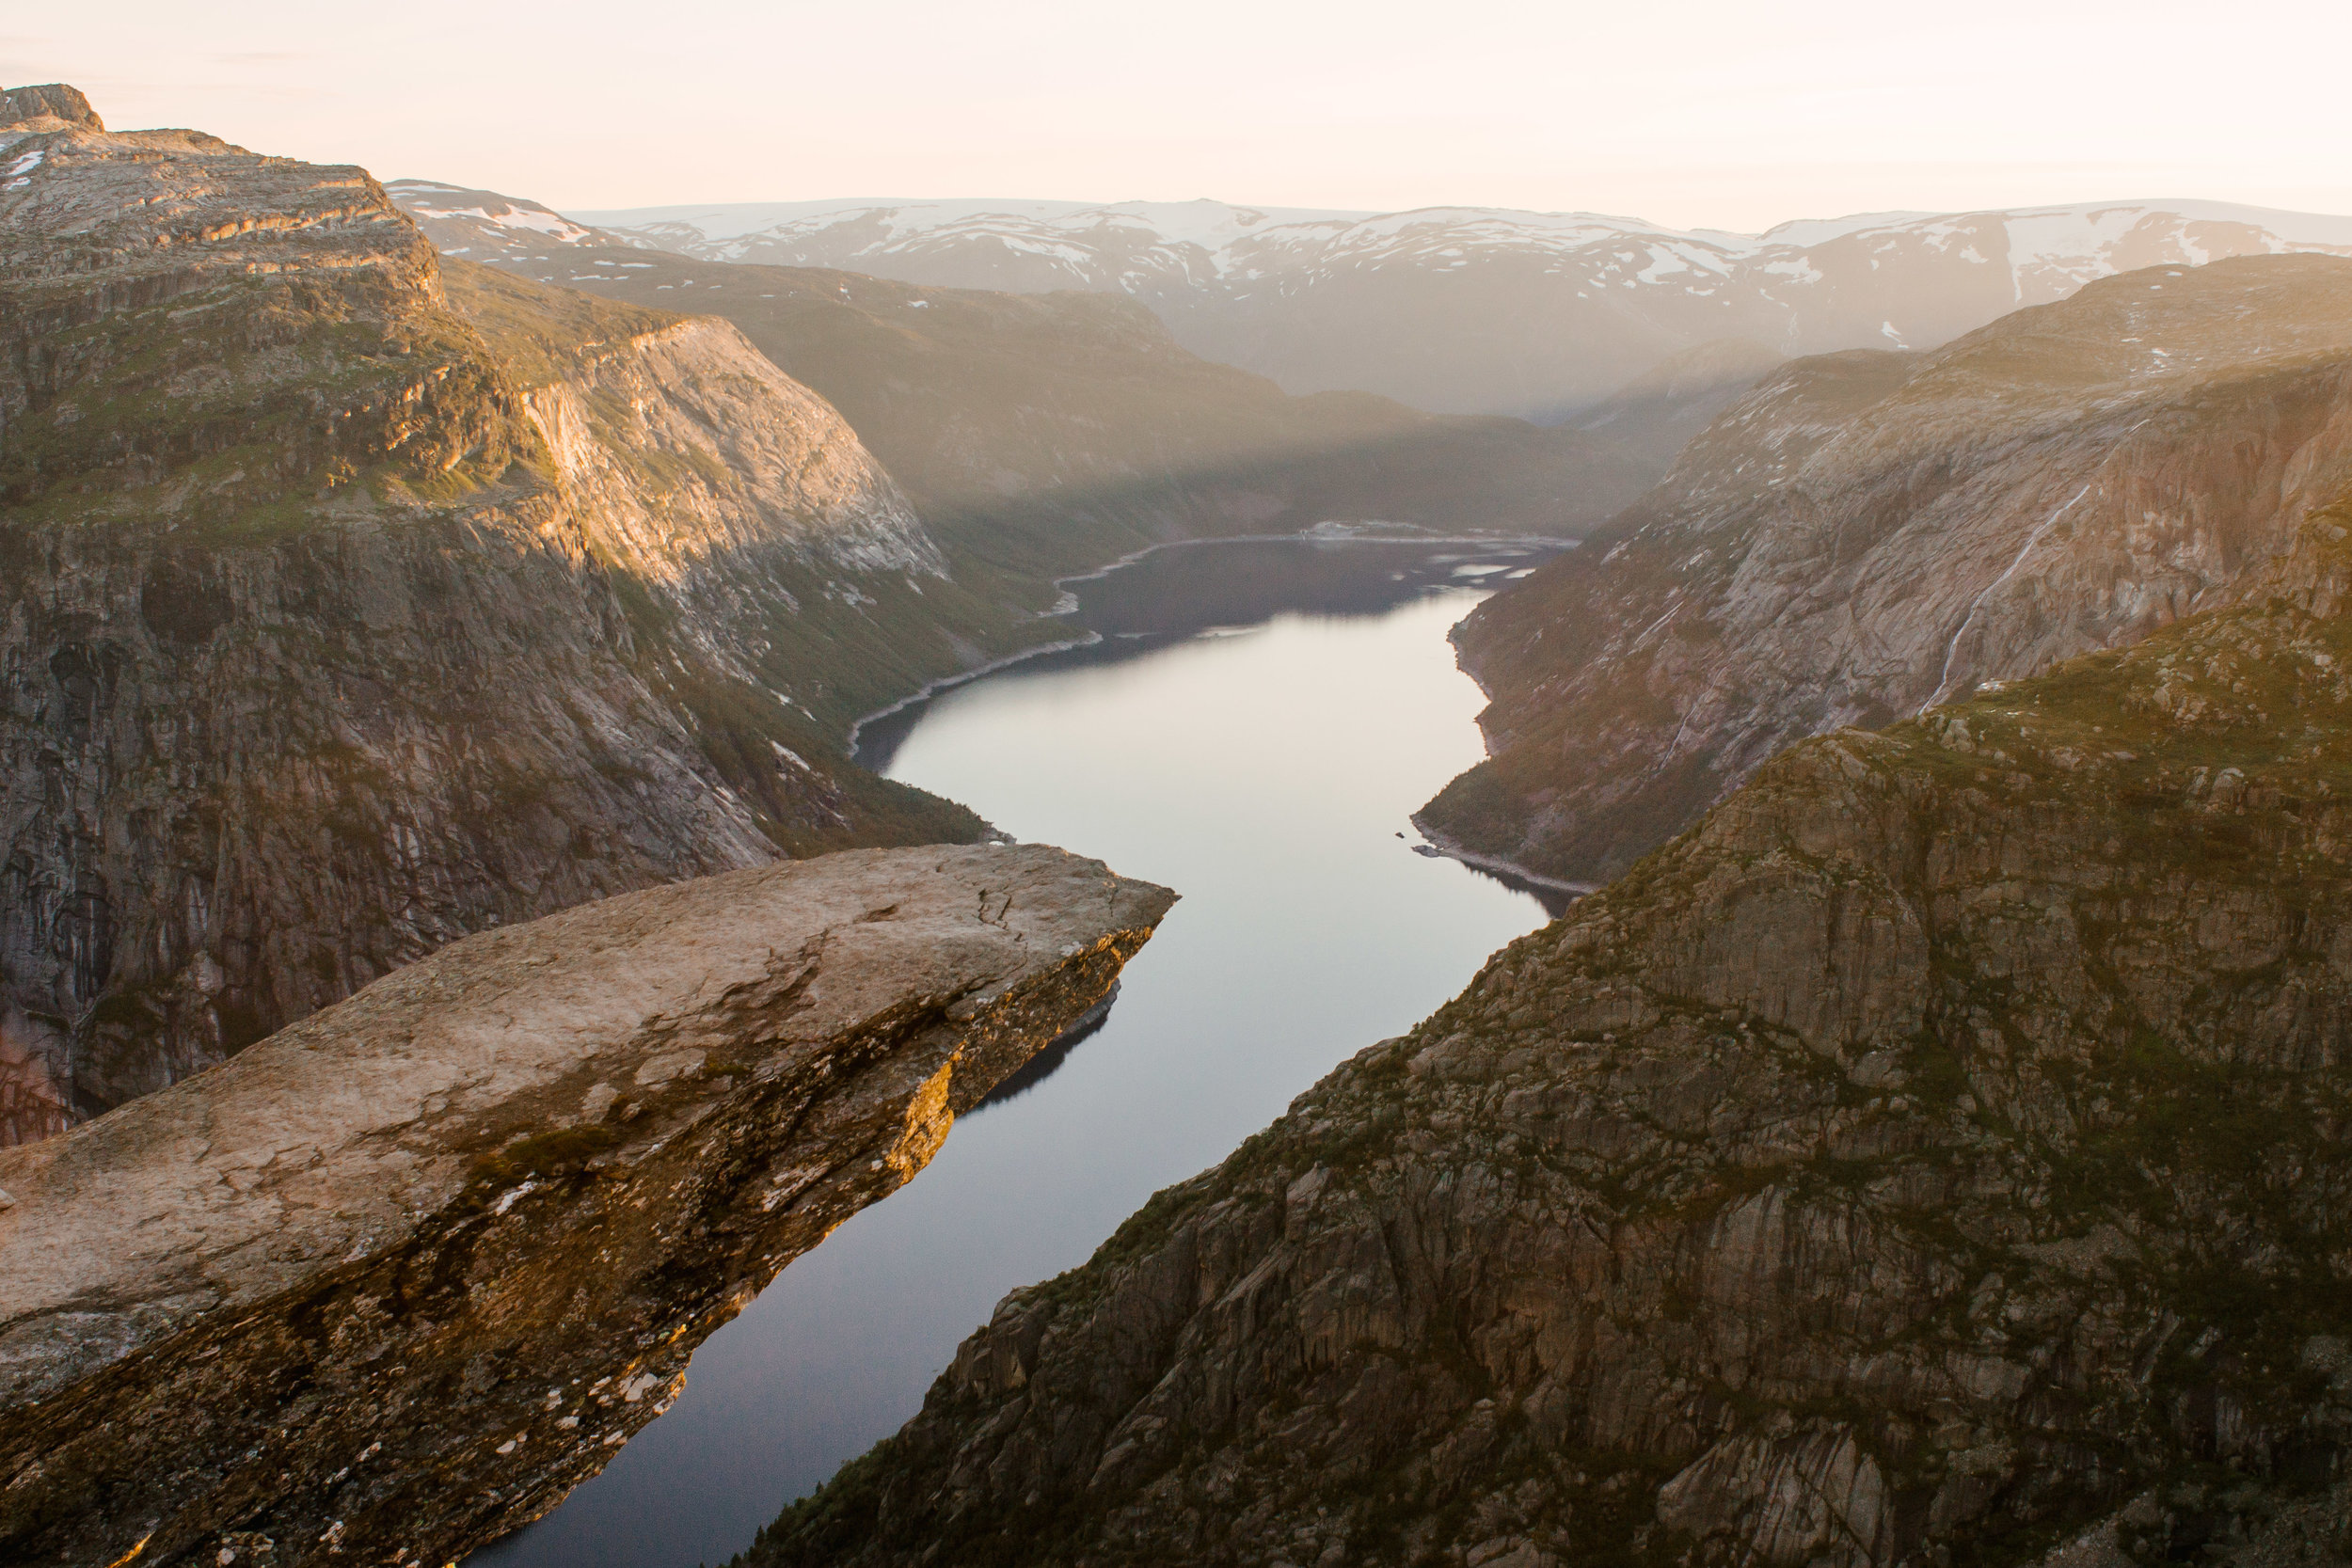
(1322, 534)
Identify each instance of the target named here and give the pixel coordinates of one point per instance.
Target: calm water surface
(1252, 730)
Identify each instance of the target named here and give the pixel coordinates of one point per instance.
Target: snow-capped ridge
(1468, 309)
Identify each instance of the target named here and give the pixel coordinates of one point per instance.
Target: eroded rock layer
(1936, 1157)
(391, 1282)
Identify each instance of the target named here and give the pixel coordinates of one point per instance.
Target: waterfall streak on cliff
(1952, 650)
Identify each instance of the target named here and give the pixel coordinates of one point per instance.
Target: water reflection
(1047, 1062)
(1266, 775)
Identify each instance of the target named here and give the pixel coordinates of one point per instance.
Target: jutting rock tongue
(390, 1282)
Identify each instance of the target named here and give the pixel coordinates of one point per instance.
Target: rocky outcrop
(54, 101)
(696, 389)
(347, 607)
(741, 504)
(1869, 533)
(393, 1281)
(1935, 1157)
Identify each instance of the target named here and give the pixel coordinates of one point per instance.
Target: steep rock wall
(1867, 534)
(315, 654)
(241, 785)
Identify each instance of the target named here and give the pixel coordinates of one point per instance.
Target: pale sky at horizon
(1716, 114)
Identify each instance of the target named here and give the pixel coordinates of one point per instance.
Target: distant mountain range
(1050, 433)
(1468, 309)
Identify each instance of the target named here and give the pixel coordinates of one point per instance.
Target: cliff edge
(349, 604)
(393, 1281)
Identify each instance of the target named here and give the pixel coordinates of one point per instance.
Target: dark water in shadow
(1262, 759)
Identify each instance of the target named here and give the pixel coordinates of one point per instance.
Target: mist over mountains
(1466, 309)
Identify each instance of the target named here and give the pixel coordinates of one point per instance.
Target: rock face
(1867, 533)
(1659, 412)
(739, 500)
(393, 1281)
(55, 101)
(1935, 1157)
(347, 607)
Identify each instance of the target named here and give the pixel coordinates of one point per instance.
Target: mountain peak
(51, 98)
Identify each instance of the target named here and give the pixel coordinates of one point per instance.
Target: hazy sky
(1716, 113)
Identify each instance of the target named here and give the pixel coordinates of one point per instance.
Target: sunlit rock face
(393, 1281)
(350, 603)
(1865, 535)
(1934, 1157)
(1052, 433)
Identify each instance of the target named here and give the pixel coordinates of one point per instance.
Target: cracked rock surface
(389, 1283)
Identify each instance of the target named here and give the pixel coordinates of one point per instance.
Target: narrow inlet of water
(1254, 729)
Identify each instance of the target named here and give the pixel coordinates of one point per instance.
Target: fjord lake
(1252, 729)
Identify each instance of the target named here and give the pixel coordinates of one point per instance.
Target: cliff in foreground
(393, 1281)
(348, 607)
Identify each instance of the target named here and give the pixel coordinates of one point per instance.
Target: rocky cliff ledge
(1935, 1158)
(390, 1282)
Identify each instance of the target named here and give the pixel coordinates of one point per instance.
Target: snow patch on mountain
(1466, 309)
(485, 219)
(2049, 251)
